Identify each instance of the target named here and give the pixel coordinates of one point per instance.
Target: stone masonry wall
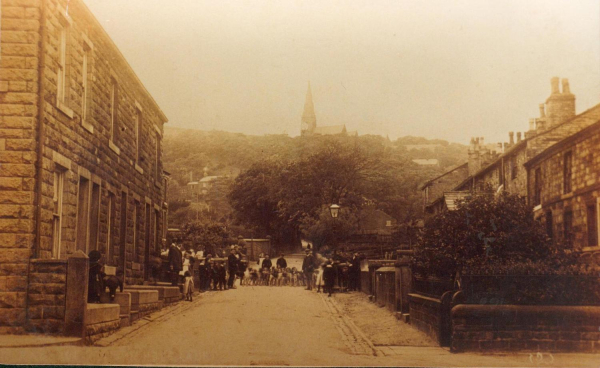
(112, 164)
(47, 290)
(525, 328)
(76, 141)
(18, 108)
(585, 181)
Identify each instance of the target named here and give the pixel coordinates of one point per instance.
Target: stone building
(564, 187)
(80, 155)
(434, 189)
(503, 169)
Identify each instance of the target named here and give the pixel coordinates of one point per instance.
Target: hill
(190, 155)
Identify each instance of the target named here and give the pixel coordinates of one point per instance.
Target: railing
(531, 289)
(433, 287)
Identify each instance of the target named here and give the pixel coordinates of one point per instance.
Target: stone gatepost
(77, 293)
(403, 282)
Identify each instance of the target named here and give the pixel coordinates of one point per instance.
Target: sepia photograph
(300, 183)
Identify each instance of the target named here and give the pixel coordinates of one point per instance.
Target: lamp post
(334, 210)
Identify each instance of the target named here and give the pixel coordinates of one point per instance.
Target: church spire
(309, 119)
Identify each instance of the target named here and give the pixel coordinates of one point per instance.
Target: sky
(448, 69)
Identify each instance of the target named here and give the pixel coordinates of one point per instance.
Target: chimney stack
(554, 84)
(518, 137)
(531, 124)
(511, 138)
(500, 147)
(481, 141)
(566, 90)
(543, 110)
(539, 125)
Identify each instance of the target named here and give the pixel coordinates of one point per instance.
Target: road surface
(259, 326)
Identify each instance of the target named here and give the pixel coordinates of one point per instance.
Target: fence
(531, 289)
(432, 287)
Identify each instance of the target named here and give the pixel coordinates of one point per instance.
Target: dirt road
(257, 326)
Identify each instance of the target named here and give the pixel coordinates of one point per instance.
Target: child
(319, 281)
(253, 276)
(95, 277)
(112, 283)
(188, 286)
(222, 275)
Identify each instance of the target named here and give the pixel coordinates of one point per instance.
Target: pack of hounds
(273, 276)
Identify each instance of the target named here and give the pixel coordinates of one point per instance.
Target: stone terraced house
(80, 157)
(504, 169)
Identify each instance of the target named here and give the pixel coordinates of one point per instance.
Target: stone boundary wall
(432, 316)
(47, 295)
(525, 328)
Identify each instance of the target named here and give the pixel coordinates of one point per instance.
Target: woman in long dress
(319, 283)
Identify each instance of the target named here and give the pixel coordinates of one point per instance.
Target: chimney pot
(518, 137)
(565, 87)
(554, 84)
(511, 136)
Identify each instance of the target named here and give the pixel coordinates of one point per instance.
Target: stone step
(122, 299)
(99, 313)
(168, 292)
(141, 297)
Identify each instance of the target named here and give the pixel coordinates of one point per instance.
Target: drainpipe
(40, 127)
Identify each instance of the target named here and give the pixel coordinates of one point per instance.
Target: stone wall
(18, 108)
(526, 328)
(46, 296)
(585, 150)
(432, 316)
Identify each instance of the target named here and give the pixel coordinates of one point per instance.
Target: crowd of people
(316, 273)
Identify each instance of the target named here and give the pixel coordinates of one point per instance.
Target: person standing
(175, 263)
(308, 267)
(328, 277)
(232, 265)
(354, 271)
(281, 262)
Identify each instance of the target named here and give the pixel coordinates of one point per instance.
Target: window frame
(57, 211)
(568, 172)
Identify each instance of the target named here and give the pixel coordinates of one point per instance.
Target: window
(83, 203)
(111, 213)
(549, 224)
(592, 224)
(85, 73)
(568, 228)
(114, 98)
(537, 194)
(57, 199)
(136, 229)
(138, 134)
(567, 171)
(123, 232)
(388, 223)
(61, 80)
(513, 167)
(157, 158)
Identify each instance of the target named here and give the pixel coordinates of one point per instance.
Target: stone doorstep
(163, 291)
(98, 313)
(141, 297)
(134, 316)
(122, 299)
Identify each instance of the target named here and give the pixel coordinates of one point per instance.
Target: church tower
(309, 120)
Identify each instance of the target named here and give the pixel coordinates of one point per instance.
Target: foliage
(210, 235)
(485, 231)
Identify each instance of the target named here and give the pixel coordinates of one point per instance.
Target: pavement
(267, 326)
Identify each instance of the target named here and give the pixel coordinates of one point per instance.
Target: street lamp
(334, 209)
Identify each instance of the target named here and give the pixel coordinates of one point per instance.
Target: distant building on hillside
(426, 161)
(308, 126)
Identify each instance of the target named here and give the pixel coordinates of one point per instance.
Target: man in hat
(175, 263)
(308, 267)
(232, 264)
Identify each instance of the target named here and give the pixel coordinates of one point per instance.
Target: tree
(484, 231)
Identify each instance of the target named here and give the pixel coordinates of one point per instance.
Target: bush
(485, 231)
